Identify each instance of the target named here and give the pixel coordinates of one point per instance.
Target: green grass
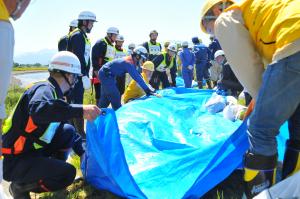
(30, 68)
(12, 98)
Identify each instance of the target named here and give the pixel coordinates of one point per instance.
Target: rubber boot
(22, 191)
(259, 173)
(291, 161)
(79, 126)
(200, 86)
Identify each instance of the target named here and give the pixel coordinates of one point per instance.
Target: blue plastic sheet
(168, 147)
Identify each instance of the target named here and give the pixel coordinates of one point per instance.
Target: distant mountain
(43, 57)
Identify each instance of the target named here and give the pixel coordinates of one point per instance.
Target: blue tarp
(168, 147)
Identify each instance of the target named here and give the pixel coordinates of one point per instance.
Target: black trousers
(158, 77)
(46, 167)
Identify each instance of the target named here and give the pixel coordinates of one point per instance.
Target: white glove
(86, 82)
(190, 67)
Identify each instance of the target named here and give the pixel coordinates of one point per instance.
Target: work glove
(152, 92)
(190, 67)
(86, 82)
(149, 92)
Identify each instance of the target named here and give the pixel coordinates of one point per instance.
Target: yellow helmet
(207, 6)
(148, 65)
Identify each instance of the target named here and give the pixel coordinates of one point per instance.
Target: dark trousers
(173, 72)
(97, 91)
(46, 166)
(121, 83)
(158, 77)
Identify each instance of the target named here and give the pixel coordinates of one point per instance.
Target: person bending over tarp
(133, 91)
(118, 67)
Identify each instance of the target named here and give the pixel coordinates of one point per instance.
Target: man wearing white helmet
(119, 67)
(120, 53)
(102, 52)
(8, 9)
(153, 47)
(228, 82)
(63, 41)
(131, 46)
(163, 63)
(37, 139)
(80, 45)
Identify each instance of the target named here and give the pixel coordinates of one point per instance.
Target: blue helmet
(195, 40)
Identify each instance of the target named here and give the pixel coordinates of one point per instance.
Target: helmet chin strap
(70, 85)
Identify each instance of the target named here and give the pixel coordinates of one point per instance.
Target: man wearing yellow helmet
(133, 91)
(254, 34)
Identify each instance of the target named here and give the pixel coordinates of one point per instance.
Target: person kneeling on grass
(133, 91)
(36, 137)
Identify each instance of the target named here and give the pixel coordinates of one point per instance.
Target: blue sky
(45, 21)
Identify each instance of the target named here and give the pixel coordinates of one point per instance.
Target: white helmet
(185, 44)
(87, 15)
(131, 45)
(74, 23)
(65, 61)
(142, 51)
(172, 47)
(112, 30)
(218, 53)
(120, 38)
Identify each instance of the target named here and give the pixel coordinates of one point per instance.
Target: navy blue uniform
(202, 54)
(63, 43)
(108, 74)
(77, 46)
(228, 81)
(26, 156)
(98, 60)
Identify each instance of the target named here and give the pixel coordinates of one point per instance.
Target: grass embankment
(30, 69)
(231, 188)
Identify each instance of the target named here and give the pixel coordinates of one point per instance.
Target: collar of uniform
(55, 85)
(108, 41)
(153, 42)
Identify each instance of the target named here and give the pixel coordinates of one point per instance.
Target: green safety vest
(110, 51)
(154, 49)
(163, 65)
(120, 53)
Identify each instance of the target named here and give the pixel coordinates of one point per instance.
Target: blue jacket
(120, 67)
(201, 52)
(76, 45)
(43, 103)
(63, 43)
(187, 58)
(214, 46)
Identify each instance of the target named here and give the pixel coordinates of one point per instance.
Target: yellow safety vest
(154, 49)
(272, 24)
(163, 65)
(120, 53)
(110, 51)
(4, 15)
